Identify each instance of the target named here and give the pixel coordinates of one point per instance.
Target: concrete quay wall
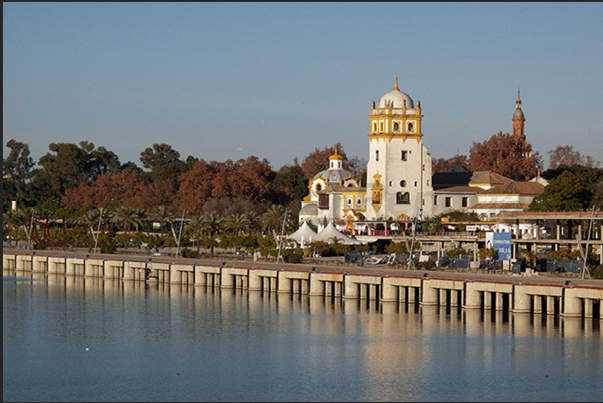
(516, 297)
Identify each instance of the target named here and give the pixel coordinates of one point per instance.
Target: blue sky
(225, 81)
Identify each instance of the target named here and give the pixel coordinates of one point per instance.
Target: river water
(73, 339)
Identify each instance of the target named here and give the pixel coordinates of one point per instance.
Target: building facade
(398, 171)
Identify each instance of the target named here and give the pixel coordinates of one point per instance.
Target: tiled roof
(488, 178)
(342, 189)
(459, 189)
(499, 206)
(517, 188)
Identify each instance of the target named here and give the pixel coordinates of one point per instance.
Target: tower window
(323, 202)
(318, 187)
(402, 198)
(377, 155)
(403, 183)
(382, 127)
(410, 127)
(374, 127)
(404, 155)
(396, 126)
(415, 183)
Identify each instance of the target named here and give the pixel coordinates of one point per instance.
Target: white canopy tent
(303, 235)
(330, 232)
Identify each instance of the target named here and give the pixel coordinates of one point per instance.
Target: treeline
(71, 179)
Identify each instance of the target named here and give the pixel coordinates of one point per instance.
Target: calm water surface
(75, 339)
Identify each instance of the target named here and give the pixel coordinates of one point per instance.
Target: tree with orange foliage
(443, 165)
(506, 155)
(318, 160)
(123, 186)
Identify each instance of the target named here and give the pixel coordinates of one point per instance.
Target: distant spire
(396, 86)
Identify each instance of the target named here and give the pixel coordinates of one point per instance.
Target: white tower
(399, 167)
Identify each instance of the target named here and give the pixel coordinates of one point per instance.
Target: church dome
(518, 114)
(334, 177)
(395, 99)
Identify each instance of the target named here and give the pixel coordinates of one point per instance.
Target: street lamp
(98, 230)
(180, 234)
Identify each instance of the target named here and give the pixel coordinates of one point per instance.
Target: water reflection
(238, 345)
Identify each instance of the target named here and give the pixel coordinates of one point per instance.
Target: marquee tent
(303, 235)
(330, 232)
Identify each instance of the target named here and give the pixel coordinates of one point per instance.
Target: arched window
(374, 127)
(402, 198)
(410, 127)
(318, 187)
(396, 126)
(381, 126)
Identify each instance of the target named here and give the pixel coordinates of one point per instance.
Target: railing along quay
(511, 296)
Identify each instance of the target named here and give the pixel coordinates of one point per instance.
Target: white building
(399, 167)
(398, 172)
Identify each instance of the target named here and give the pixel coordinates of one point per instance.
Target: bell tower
(519, 120)
(399, 166)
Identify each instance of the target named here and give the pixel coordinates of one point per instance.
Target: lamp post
(98, 231)
(280, 243)
(180, 234)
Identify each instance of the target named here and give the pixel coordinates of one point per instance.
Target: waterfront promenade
(329, 265)
(507, 292)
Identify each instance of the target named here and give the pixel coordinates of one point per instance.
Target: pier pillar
(499, 301)
(588, 308)
(550, 305)
(40, 264)
(521, 300)
(389, 291)
(430, 294)
(487, 300)
(443, 296)
(473, 297)
(537, 300)
(456, 297)
(572, 305)
(255, 281)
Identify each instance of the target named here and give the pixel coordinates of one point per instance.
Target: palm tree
(273, 218)
(212, 225)
(237, 223)
(163, 214)
(15, 220)
(195, 227)
(126, 216)
(141, 214)
(255, 222)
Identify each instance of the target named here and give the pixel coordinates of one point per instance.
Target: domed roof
(518, 114)
(336, 156)
(395, 99)
(334, 176)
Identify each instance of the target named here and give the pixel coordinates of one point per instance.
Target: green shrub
(597, 272)
(455, 252)
(108, 248)
(189, 253)
(427, 265)
(294, 258)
